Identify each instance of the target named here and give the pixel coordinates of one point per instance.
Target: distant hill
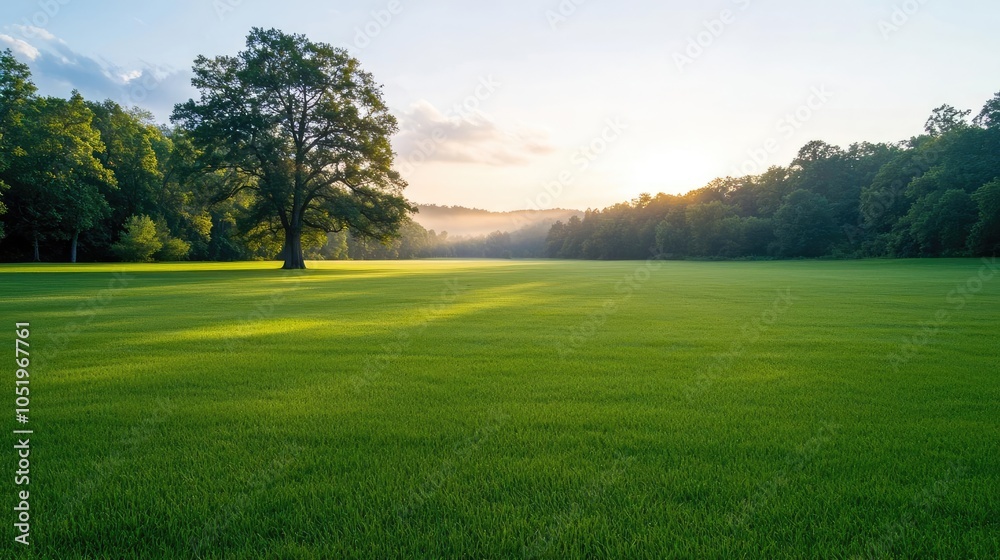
(470, 222)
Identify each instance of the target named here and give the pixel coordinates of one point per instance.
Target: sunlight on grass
(443, 408)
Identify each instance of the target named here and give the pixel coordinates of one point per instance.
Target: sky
(561, 103)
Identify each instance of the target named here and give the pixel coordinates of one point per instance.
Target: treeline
(82, 179)
(102, 182)
(96, 181)
(936, 195)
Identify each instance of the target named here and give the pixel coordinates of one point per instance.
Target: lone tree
(303, 129)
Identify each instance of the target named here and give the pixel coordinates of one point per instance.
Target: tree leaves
(306, 131)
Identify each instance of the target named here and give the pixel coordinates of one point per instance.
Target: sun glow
(673, 171)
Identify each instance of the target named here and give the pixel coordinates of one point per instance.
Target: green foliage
(884, 201)
(335, 248)
(672, 236)
(916, 198)
(139, 241)
(129, 135)
(940, 223)
(55, 177)
(16, 90)
(946, 119)
(239, 179)
(708, 227)
(989, 117)
(301, 128)
(985, 236)
(758, 236)
(172, 249)
(804, 225)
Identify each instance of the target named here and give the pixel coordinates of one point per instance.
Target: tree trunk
(38, 256)
(72, 247)
(293, 250)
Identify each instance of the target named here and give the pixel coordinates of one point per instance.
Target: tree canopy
(932, 195)
(303, 129)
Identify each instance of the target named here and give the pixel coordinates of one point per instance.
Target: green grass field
(506, 409)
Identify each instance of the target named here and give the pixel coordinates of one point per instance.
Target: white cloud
(128, 77)
(57, 69)
(21, 47)
(427, 134)
(30, 32)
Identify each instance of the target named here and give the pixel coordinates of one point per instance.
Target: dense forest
(936, 195)
(92, 180)
(95, 181)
